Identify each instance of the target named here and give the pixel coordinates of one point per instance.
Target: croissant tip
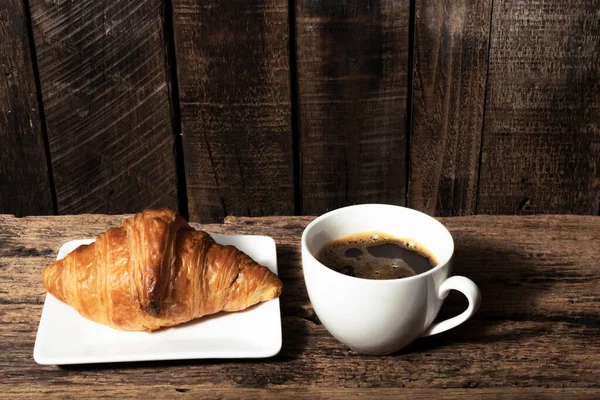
(51, 278)
(277, 288)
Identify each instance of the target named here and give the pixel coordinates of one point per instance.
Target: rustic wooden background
(270, 107)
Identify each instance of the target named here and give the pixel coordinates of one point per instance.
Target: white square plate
(65, 337)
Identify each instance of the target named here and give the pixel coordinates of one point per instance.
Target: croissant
(157, 271)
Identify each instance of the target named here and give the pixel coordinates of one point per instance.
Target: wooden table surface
(537, 333)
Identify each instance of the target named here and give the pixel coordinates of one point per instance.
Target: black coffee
(376, 255)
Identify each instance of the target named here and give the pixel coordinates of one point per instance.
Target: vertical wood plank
(234, 87)
(105, 88)
(541, 144)
(24, 177)
(450, 71)
(352, 89)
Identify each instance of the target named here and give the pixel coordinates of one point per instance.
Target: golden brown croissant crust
(156, 271)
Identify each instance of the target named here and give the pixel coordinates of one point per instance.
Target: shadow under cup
(376, 316)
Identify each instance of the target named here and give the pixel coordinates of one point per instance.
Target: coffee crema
(376, 255)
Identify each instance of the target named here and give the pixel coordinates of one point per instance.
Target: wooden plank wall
(273, 107)
(234, 83)
(450, 71)
(105, 87)
(541, 143)
(25, 185)
(352, 89)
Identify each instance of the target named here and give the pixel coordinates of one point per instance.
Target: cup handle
(471, 292)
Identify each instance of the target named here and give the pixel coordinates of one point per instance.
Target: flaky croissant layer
(157, 271)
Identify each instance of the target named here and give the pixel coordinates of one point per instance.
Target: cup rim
(441, 263)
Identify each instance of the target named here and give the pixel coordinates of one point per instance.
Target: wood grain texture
(194, 391)
(450, 71)
(352, 88)
(24, 178)
(105, 87)
(535, 334)
(234, 86)
(541, 144)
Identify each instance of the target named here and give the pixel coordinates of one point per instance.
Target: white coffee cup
(382, 316)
